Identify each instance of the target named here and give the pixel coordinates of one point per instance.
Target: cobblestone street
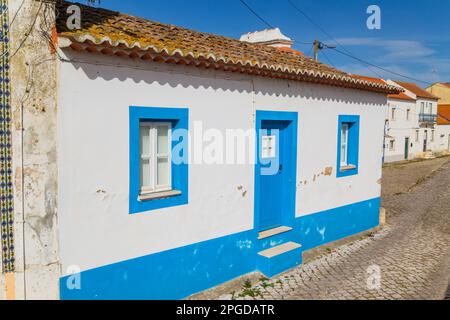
(411, 254)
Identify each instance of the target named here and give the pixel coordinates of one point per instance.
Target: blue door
(273, 174)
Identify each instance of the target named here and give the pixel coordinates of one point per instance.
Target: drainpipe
(22, 218)
(386, 129)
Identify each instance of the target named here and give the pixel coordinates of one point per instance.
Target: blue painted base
(178, 273)
(276, 265)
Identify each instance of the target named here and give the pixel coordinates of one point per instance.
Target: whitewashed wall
(432, 143)
(93, 148)
(443, 139)
(401, 128)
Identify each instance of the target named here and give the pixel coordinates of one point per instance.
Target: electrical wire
(17, 12)
(256, 14)
(326, 33)
(348, 53)
(310, 50)
(249, 8)
(26, 35)
(328, 59)
(378, 67)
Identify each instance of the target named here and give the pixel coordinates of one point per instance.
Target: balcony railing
(427, 118)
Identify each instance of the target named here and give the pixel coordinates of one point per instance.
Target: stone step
(278, 250)
(273, 232)
(278, 259)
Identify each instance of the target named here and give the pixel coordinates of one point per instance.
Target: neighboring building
(441, 90)
(126, 186)
(424, 124)
(402, 136)
(402, 131)
(411, 128)
(443, 128)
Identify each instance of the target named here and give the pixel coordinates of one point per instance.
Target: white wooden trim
(159, 195)
(344, 142)
(154, 156)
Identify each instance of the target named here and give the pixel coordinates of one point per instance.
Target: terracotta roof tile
(418, 91)
(107, 31)
(444, 84)
(444, 114)
(376, 80)
(290, 50)
(401, 96)
(398, 96)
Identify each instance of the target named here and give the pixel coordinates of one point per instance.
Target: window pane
(343, 154)
(163, 172)
(163, 141)
(344, 143)
(344, 132)
(145, 140)
(145, 173)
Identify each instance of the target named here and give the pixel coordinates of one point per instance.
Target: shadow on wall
(99, 66)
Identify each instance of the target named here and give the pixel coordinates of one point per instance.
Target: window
(432, 135)
(158, 158)
(348, 145)
(422, 107)
(417, 135)
(408, 114)
(393, 114)
(155, 157)
(344, 144)
(392, 145)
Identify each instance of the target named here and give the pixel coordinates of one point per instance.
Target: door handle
(280, 169)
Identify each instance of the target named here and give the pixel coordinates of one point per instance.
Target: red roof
(399, 96)
(418, 91)
(376, 80)
(290, 50)
(444, 114)
(107, 32)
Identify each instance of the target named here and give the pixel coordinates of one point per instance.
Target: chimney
(270, 37)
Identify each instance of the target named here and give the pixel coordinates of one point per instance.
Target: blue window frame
(348, 146)
(178, 118)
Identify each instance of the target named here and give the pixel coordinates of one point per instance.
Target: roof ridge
(109, 31)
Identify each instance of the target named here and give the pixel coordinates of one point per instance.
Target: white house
(442, 91)
(402, 134)
(411, 129)
(423, 117)
(188, 159)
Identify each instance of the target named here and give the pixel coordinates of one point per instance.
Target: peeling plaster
(328, 171)
(34, 115)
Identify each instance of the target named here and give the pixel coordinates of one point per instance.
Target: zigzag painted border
(6, 185)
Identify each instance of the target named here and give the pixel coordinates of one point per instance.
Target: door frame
(407, 146)
(289, 207)
(425, 141)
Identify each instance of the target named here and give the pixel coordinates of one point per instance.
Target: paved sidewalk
(411, 255)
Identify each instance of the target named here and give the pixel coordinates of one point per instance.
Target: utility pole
(320, 46)
(316, 49)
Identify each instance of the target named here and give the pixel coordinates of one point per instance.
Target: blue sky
(414, 39)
